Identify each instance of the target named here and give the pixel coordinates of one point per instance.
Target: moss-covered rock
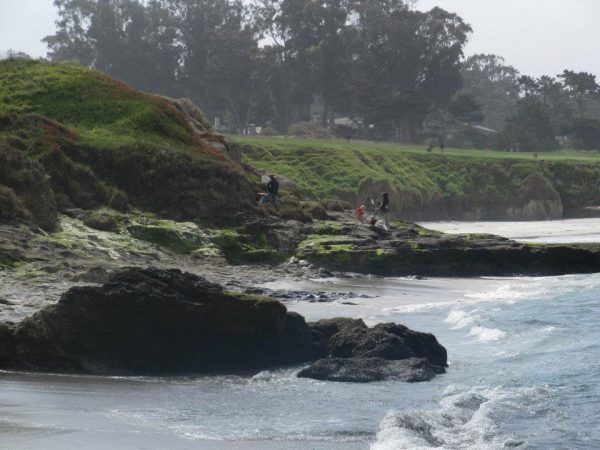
(330, 228)
(240, 248)
(413, 250)
(181, 237)
(98, 220)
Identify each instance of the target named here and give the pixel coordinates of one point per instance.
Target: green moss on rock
(182, 237)
(243, 249)
(329, 228)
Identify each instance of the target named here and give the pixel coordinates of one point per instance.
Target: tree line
(393, 71)
(535, 113)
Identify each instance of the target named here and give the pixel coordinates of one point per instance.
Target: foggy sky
(536, 36)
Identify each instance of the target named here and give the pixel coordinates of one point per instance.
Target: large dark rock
(351, 351)
(365, 370)
(153, 321)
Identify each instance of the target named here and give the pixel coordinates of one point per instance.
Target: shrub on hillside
(308, 130)
(269, 131)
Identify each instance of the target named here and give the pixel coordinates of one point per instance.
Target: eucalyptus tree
(406, 64)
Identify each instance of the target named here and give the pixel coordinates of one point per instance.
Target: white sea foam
(483, 334)
(460, 319)
(463, 419)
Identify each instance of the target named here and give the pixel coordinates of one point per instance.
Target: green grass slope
(100, 109)
(96, 141)
(459, 184)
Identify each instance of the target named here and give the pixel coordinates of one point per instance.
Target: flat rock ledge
(151, 321)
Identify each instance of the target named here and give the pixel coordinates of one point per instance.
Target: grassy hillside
(101, 110)
(94, 141)
(463, 184)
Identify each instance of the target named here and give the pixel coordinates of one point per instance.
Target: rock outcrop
(407, 249)
(150, 322)
(350, 351)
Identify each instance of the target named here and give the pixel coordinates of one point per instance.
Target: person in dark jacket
(272, 191)
(385, 209)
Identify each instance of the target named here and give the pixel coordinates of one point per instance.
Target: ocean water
(524, 357)
(524, 370)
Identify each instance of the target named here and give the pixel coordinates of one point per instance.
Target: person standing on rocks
(272, 192)
(385, 209)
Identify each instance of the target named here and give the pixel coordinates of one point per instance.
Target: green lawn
(293, 143)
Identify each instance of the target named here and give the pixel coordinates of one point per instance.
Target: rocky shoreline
(88, 299)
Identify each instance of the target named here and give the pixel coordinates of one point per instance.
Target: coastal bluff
(164, 322)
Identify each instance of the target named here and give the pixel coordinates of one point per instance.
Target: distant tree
(466, 110)
(456, 119)
(494, 85)
(582, 87)
(528, 85)
(585, 133)
(380, 62)
(15, 54)
(71, 41)
(405, 63)
(531, 127)
(439, 124)
(556, 99)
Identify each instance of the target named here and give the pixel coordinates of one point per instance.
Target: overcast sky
(536, 36)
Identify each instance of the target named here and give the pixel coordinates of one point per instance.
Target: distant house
(347, 122)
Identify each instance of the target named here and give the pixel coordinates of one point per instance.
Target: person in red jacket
(360, 213)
